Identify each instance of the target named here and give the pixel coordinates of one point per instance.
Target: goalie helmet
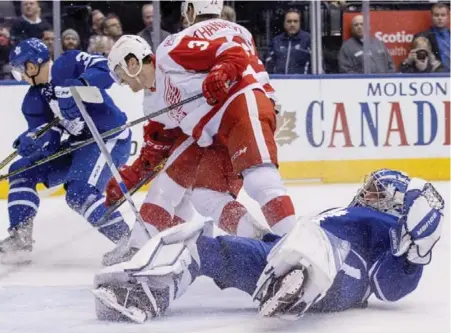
(125, 46)
(384, 191)
(211, 7)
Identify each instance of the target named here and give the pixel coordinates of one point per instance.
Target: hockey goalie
(378, 245)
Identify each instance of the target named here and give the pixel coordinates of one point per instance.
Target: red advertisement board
(395, 28)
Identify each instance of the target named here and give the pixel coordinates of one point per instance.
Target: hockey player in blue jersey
(378, 245)
(84, 173)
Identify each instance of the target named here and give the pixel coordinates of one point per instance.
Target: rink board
(332, 128)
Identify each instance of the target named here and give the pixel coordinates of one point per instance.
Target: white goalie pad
(160, 260)
(312, 248)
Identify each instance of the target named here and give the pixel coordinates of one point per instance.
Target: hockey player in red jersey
(236, 115)
(209, 193)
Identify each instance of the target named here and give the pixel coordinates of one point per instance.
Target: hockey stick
(103, 135)
(132, 191)
(36, 135)
(109, 160)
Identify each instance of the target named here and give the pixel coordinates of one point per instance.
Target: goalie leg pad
(307, 247)
(168, 262)
(136, 304)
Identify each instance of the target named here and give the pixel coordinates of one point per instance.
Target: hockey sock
(23, 201)
(87, 201)
(263, 184)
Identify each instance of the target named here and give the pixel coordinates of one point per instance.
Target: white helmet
(211, 7)
(127, 44)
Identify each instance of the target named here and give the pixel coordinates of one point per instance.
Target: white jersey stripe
(100, 163)
(252, 110)
(93, 207)
(23, 203)
(224, 47)
(23, 189)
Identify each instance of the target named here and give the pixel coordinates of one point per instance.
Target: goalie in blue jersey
(84, 173)
(378, 245)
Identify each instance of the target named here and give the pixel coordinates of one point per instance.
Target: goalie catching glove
(157, 144)
(419, 227)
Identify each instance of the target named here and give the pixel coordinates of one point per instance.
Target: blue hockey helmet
(30, 50)
(384, 191)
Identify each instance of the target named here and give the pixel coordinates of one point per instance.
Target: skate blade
(16, 258)
(291, 285)
(104, 298)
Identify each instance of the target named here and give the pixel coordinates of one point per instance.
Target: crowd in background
(288, 52)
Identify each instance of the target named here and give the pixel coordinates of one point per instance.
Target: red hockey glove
(157, 143)
(216, 85)
(131, 175)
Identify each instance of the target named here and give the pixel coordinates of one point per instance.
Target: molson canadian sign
(357, 125)
(395, 28)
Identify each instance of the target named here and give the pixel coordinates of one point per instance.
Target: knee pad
(263, 183)
(185, 210)
(30, 175)
(165, 193)
(81, 196)
(210, 203)
(87, 201)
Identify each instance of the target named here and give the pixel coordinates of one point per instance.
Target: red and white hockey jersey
(182, 63)
(229, 31)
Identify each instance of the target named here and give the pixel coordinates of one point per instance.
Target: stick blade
(89, 94)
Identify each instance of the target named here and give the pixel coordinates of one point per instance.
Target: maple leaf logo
(286, 128)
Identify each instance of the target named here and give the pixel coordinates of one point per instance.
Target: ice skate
(18, 246)
(122, 252)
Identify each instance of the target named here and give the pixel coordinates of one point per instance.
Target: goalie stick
(132, 191)
(104, 135)
(37, 135)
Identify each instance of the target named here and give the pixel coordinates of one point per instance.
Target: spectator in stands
(70, 40)
(228, 14)
(289, 52)
(97, 18)
(48, 38)
(148, 33)
(112, 26)
(421, 59)
(5, 47)
(30, 24)
(100, 44)
(438, 34)
(350, 57)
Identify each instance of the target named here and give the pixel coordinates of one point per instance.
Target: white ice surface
(52, 293)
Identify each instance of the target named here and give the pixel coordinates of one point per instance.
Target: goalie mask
(384, 191)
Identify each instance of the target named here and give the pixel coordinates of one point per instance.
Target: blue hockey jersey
(40, 105)
(370, 267)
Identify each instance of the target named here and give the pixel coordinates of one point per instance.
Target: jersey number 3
(203, 45)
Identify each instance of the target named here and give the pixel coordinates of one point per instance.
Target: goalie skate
(283, 295)
(123, 303)
(17, 247)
